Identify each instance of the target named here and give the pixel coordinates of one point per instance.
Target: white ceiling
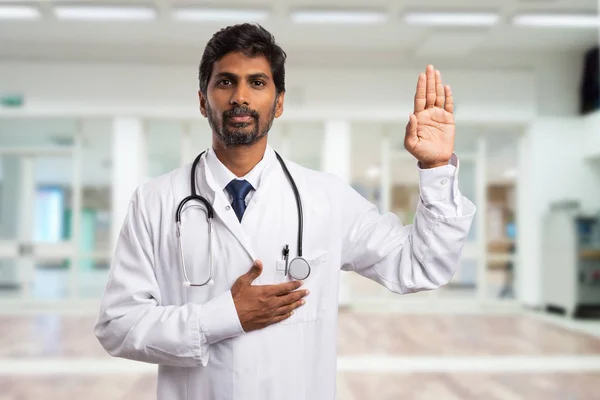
(166, 40)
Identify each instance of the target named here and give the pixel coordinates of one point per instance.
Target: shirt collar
(222, 175)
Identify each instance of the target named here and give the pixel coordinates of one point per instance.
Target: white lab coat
(194, 334)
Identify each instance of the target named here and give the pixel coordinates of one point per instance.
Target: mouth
(241, 118)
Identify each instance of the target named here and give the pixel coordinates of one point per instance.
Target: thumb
(255, 271)
(411, 131)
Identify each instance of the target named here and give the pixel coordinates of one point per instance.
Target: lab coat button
(228, 208)
(444, 181)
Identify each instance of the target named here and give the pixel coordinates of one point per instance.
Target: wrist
(424, 165)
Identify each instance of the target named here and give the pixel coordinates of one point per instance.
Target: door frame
(24, 246)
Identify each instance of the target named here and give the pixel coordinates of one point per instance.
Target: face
(241, 100)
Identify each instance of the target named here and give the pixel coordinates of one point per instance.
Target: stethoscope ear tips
(187, 284)
(211, 282)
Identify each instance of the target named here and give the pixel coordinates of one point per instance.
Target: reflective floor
(381, 356)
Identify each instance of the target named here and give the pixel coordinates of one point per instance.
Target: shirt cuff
(437, 184)
(218, 319)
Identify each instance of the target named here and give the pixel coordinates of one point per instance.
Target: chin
(239, 138)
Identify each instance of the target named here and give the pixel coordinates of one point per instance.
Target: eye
(224, 82)
(259, 83)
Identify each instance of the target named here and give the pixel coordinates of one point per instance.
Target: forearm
(167, 335)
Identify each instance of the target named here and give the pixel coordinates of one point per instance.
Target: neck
(240, 159)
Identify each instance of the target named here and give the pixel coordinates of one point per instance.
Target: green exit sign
(11, 100)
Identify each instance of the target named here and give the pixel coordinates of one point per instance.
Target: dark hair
(253, 41)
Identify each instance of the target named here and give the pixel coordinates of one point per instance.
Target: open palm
(430, 130)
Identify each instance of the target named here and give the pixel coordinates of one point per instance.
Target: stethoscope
(298, 268)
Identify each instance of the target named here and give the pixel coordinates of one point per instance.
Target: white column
(187, 145)
(77, 200)
(285, 151)
(529, 202)
(386, 174)
(481, 198)
(9, 218)
(26, 264)
(336, 149)
(336, 160)
(551, 169)
(129, 156)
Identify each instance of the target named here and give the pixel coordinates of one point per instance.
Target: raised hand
(260, 306)
(430, 130)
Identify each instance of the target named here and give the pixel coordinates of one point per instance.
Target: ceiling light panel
(208, 14)
(558, 20)
(357, 17)
(451, 19)
(104, 13)
(19, 12)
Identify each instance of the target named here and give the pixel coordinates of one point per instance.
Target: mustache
(243, 110)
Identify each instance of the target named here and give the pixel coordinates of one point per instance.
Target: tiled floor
(382, 356)
(469, 386)
(354, 386)
(359, 333)
(406, 334)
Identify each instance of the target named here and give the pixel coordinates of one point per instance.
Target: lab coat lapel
(222, 208)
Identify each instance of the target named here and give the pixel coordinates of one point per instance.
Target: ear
(279, 107)
(202, 103)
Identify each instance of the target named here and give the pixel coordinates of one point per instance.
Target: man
(257, 331)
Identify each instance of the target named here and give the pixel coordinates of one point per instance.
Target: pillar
(129, 156)
(336, 160)
(481, 220)
(9, 218)
(385, 195)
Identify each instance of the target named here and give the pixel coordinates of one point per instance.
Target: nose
(240, 96)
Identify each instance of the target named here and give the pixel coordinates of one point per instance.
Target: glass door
(37, 251)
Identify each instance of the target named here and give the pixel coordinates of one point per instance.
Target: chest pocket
(316, 283)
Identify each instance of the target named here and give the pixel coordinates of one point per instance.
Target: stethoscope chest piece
(299, 268)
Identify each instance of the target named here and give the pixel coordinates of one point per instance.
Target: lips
(241, 118)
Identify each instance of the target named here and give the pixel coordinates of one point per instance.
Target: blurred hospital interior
(96, 97)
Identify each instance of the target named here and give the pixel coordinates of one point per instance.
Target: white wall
(551, 168)
(171, 91)
(591, 144)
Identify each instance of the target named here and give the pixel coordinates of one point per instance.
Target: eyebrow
(232, 76)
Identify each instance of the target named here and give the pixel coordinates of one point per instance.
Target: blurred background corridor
(98, 97)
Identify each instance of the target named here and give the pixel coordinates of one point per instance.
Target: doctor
(256, 330)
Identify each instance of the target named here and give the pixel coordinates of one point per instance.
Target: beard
(240, 133)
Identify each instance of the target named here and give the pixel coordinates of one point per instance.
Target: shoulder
(325, 188)
(313, 178)
(156, 191)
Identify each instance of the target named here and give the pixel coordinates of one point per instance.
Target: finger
(430, 87)
(411, 127)
(288, 308)
(291, 297)
(439, 90)
(254, 272)
(284, 288)
(279, 318)
(420, 94)
(449, 106)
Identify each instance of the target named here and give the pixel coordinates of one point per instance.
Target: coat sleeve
(133, 324)
(409, 258)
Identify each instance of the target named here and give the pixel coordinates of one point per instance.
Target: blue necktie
(239, 189)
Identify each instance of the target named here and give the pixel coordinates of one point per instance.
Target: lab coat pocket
(316, 283)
